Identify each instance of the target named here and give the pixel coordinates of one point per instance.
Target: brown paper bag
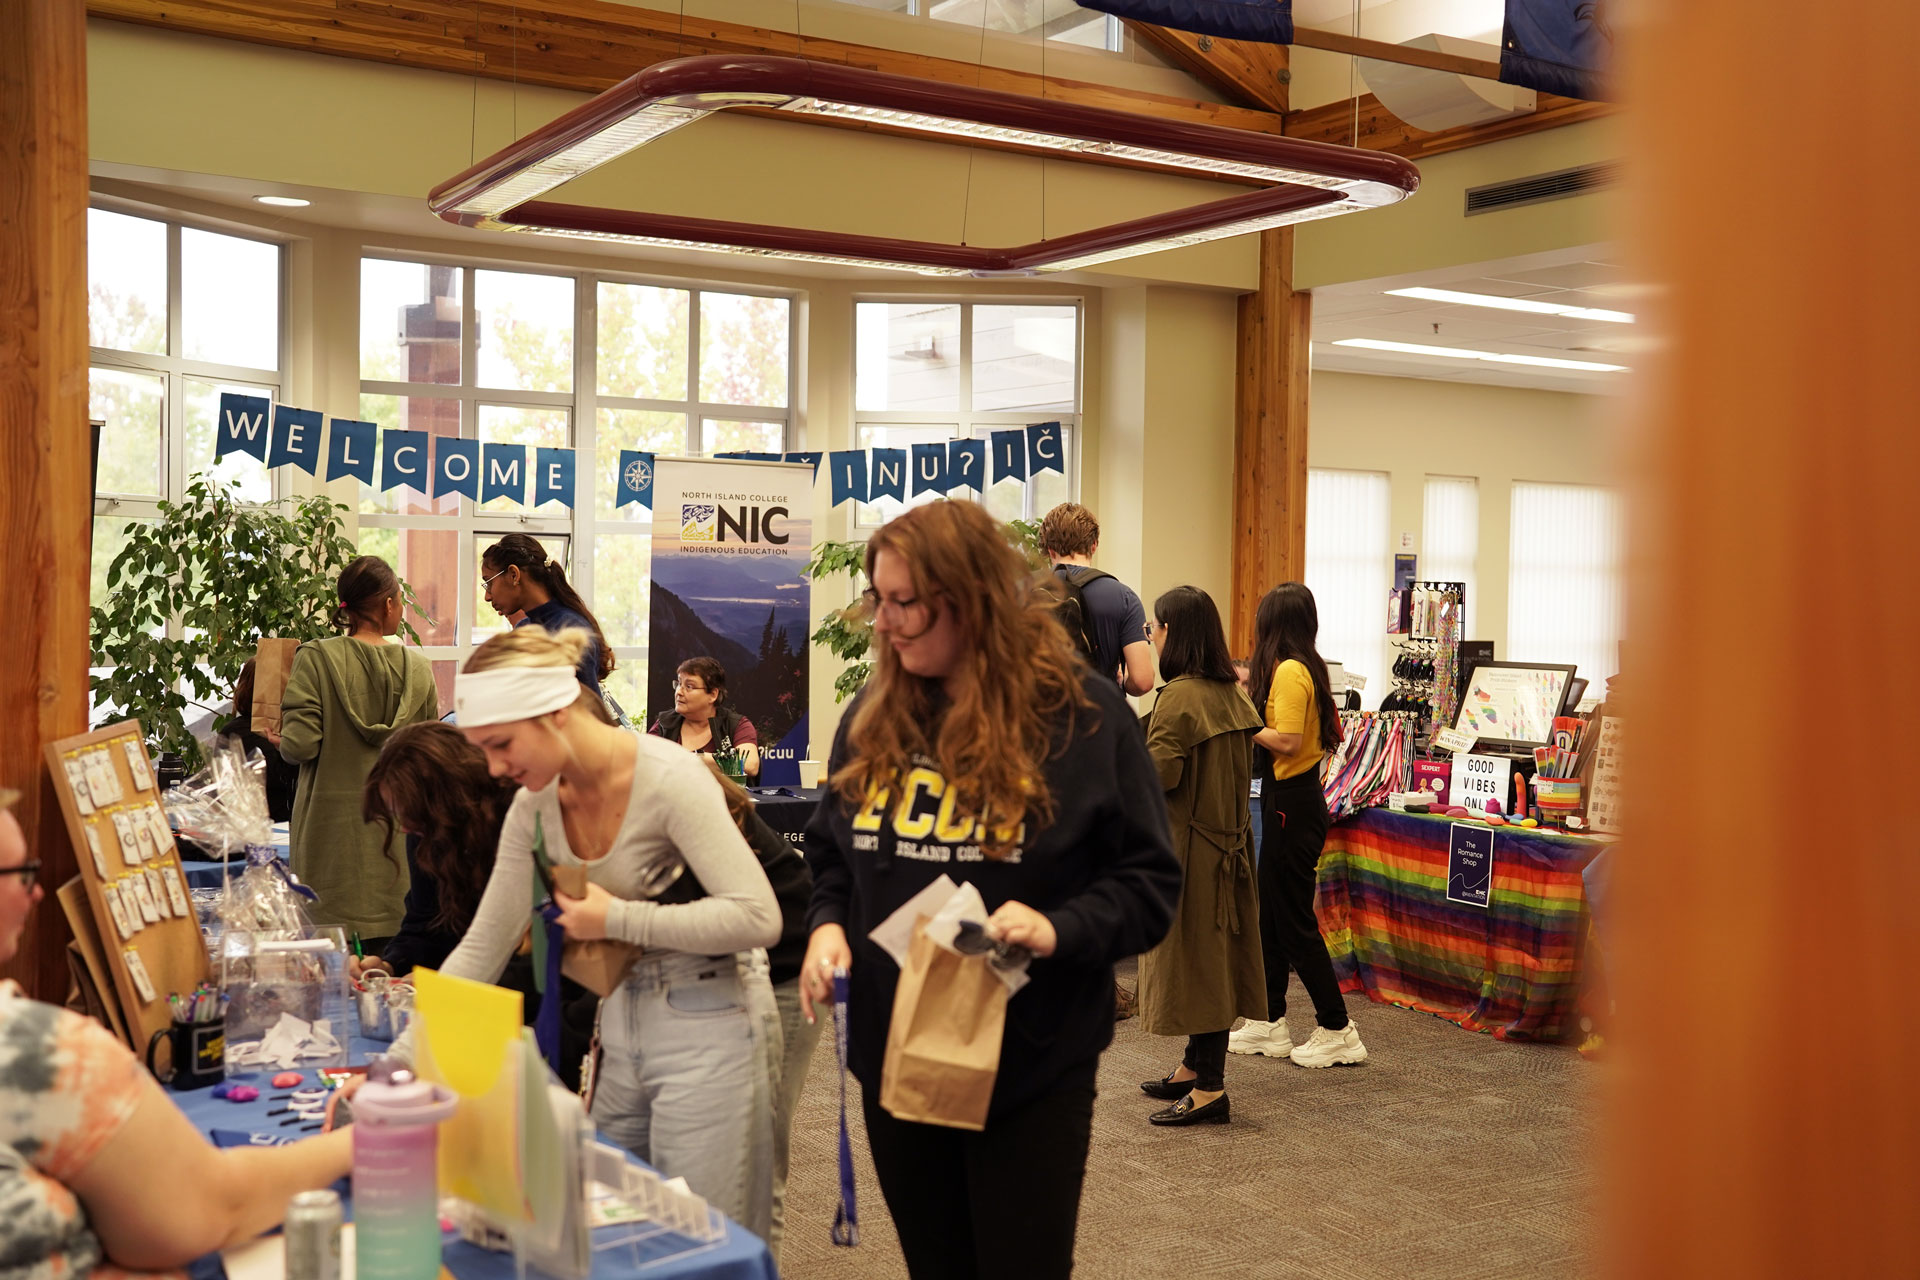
(943, 1045)
(597, 964)
(272, 664)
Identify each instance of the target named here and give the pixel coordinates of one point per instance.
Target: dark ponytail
(522, 552)
(1287, 625)
(364, 586)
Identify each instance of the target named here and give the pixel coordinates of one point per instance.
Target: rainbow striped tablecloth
(1512, 967)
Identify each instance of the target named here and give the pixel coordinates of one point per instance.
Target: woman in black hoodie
(984, 749)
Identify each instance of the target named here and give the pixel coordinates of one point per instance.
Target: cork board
(142, 912)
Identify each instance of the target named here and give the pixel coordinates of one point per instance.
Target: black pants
(996, 1204)
(1294, 832)
(1207, 1059)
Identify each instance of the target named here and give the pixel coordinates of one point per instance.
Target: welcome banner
(731, 541)
(433, 464)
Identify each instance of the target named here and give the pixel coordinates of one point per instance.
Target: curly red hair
(1018, 675)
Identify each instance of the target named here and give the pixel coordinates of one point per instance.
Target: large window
(1061, 20)
(176, 315)
(1563, 583)
(1450, 538)
(1350, 571)
(558, 360)
(932, 371)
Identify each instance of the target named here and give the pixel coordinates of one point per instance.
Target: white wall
(1413, 428)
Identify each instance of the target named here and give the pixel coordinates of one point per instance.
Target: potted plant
(228, 573)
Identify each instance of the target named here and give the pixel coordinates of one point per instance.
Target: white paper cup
(811, 772)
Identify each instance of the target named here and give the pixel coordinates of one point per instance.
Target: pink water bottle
(396, 1176)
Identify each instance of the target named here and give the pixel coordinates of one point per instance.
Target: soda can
(313, 1236)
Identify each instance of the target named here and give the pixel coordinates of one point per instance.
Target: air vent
(1540, 188)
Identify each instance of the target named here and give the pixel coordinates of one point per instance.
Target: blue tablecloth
(740, 1256)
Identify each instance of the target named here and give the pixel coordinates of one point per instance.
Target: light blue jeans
(689, 1055)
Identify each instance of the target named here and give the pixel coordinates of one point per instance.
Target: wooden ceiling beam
(1382, 51)
(590, 45)
(1253, 72)
(1380, 130)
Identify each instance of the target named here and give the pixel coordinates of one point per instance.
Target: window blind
(1350, 570)
(1564, 591)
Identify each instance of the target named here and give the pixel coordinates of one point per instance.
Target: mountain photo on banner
(749, 614)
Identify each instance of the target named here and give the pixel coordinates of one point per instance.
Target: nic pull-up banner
(731, 541)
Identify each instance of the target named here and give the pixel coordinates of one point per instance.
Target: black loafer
(1184, 1112)
(1167, 1089)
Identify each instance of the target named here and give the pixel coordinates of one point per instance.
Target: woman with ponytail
(518, 577)
(344, 696)
(1291, 687)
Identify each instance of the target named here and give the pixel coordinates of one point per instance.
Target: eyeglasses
(972, 940)
(488, 582)
(895, 612)
(690, 686)
(26, 871)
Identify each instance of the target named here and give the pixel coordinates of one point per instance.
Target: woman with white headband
(689, 1037)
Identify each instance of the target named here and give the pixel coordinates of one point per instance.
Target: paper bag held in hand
(598, 964)
(272, 664)
(943, 1045)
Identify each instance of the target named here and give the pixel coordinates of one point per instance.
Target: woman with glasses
(518, 577)
(700, 721)
(1207, 971)
(100, 1171)
(983, 749)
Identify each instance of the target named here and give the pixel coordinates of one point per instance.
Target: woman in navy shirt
(518, 578)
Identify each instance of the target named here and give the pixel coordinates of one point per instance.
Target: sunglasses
(26, 871)
(972, 940)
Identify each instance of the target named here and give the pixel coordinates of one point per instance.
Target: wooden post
(1270, 436)
(44, 454)
(1763, 1118)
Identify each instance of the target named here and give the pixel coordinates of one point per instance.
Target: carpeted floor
(1448, 1154)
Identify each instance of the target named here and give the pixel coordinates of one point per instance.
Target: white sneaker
(1270, 1039)
(1326, 1048)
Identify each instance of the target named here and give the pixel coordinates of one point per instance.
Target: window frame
(174, 368)
(582, 526)
(968, 423)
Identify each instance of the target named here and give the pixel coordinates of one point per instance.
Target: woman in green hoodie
(344, 696)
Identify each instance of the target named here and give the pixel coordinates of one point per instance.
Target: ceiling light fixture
(283, 202)
(1308, 179)
(1514, 304)
(1464, 353)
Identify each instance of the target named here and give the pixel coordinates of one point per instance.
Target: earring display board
(146, 923)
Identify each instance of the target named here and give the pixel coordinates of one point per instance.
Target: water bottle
(396, 1182)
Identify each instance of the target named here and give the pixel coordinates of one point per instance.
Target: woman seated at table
(432, 784)
(700, 720)
(99, 1171)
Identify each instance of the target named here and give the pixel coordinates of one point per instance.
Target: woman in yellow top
(1290, 683)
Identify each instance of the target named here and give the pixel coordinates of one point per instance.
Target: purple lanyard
(846, 1218)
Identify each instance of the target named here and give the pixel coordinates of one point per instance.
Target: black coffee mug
(199, 1054)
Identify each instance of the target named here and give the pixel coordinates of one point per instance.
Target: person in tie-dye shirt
(100, 1173)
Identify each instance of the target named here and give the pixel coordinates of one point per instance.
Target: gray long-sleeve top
(675, 812)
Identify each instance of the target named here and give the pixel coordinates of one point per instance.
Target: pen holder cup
(375, 1022)
(198, 1054)
(1557, 799)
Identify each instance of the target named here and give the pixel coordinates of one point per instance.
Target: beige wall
(1413, 428)
(1432, 229)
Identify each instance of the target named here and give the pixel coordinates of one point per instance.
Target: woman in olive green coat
(1208, 970)
(343, 697)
